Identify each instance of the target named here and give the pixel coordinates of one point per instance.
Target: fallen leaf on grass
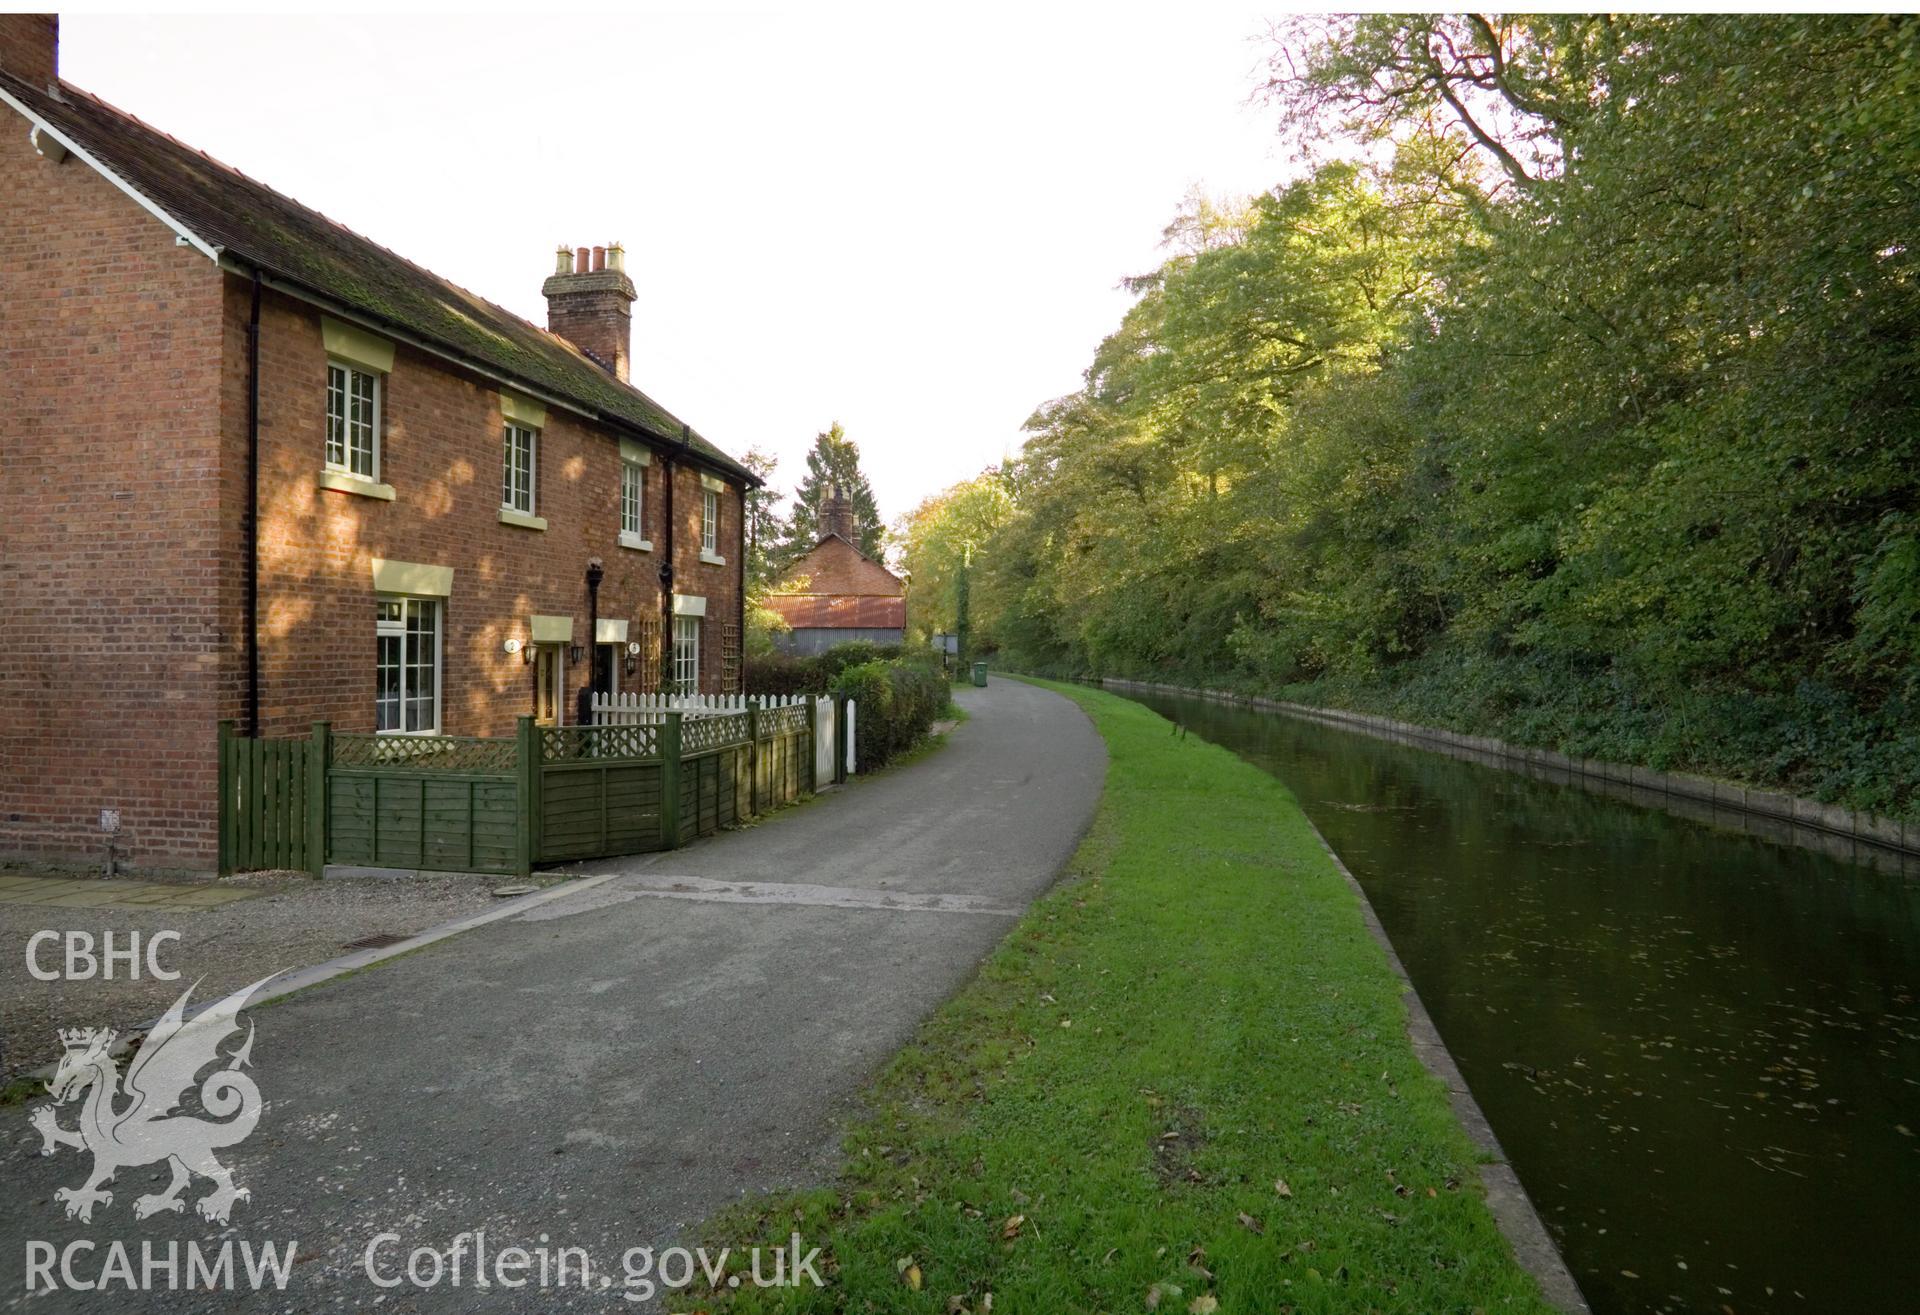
(1251, 1224)
(1280, 1187)
(1160, 1290)
(1205, 1304)
(1011, 1229)
(909, 1272)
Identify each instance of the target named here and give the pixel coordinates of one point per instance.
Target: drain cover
(381, 941)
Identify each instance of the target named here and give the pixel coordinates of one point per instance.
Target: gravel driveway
(293, 922)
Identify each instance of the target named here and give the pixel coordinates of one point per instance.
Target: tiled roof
(262, 229)
(840, 612)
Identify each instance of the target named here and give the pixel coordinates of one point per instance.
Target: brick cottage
(258, 467)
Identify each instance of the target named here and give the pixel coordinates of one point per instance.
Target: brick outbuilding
(258, 467)
(836, 594)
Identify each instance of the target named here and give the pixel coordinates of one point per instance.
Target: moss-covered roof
(259, 228)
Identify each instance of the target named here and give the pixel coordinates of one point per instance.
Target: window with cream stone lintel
(633, 477)
(686, 654)
(407, 666)
(353, 420)
(709, 522)
(517, 469)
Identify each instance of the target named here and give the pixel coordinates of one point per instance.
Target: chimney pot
(590, 304)
(617, 257)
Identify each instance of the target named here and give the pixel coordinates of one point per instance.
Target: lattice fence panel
(438, 753)
(699, 734)
(568, 743)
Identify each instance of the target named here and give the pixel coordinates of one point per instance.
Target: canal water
(1701, 1050)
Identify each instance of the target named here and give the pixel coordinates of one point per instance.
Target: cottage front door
(549, 695)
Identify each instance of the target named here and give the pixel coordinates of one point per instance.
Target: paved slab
(611, 1067)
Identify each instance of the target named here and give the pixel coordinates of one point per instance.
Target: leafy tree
(938, 540)
(833, 459)
(1572, 396)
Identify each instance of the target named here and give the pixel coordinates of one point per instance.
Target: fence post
(526, 763)
(753, 758)
(225, 817)
(319, 754)
(670, 782)
(813, 744)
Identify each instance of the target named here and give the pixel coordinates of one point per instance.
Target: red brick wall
(441, 452)
(110, 367)
(28, 46)
(835, 566)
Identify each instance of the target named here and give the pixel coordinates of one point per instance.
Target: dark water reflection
(1701, 1050)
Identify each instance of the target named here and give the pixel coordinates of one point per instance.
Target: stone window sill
(520, 519)
(628, 539)
(342, 482)
(712, 558)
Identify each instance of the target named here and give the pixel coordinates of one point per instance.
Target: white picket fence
(651, 710)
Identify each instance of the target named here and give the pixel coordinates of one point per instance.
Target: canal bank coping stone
(1880, 842)
(1513, 1209)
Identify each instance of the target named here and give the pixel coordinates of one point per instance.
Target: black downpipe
(253, 512)
(584, 704)
(740, 601)
(669, 468)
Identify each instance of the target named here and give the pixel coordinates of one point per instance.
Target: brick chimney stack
(590, 304)
(836, 514)
(30, 48)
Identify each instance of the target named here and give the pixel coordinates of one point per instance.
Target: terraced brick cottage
(258, 467)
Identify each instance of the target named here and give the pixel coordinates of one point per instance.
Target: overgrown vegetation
(1570, 397)
(1183, 1083)
(899, 692)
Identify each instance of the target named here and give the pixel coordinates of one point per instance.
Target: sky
(910, 219)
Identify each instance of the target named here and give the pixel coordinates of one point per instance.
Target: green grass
(1194, 1015)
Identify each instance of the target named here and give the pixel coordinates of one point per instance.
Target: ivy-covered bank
(1182, 1084)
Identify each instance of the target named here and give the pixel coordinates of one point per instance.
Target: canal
(1700, 1049)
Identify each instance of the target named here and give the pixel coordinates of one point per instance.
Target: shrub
(897, 704)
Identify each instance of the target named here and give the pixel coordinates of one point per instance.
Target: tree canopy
(1570, 394)
(833, 459)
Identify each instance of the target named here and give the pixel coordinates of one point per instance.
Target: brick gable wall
(837, 567)
(111, 563)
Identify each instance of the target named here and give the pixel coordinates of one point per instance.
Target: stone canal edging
(1882, 842)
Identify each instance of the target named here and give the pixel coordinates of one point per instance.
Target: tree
(834, 459)
(936, 542)
(763, 518)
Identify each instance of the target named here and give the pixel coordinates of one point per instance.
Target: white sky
(910, 219)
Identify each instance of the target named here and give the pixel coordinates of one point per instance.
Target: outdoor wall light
(575, 653)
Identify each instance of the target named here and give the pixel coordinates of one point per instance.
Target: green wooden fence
(546, 795)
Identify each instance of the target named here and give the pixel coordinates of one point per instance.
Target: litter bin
(980, 673)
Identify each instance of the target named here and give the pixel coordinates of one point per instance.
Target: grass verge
(1182, 1083)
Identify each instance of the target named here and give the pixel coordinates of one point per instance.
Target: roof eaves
(181, 231)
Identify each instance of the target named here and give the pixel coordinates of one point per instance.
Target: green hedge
(782, 673)
(897, 704)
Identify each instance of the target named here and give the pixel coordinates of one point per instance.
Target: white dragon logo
(152, 1127)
